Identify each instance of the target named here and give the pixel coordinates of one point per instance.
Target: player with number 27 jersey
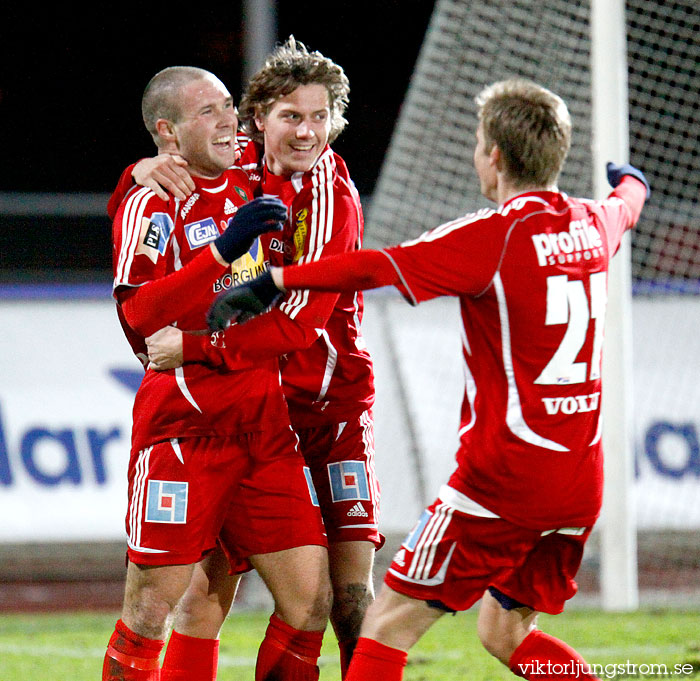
(530, 415)
(535, 268)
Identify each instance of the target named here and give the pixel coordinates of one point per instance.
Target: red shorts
(341, 460)
(183, 492)
(274, 509)
(452, 557)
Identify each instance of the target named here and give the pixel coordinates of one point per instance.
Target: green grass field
(70, 647)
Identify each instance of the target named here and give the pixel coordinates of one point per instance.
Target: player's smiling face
(206, 131)
(296, 129)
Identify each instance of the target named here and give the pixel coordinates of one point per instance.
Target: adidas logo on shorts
(357, 510)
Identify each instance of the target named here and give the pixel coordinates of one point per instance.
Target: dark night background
(71, 84)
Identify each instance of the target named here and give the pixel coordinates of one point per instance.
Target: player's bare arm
(278, 278)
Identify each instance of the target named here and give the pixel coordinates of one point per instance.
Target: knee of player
(197, 610)
(309, 610)
(503, 623)
(148, 617)
(496, 641)
(352, 600)
(350, 603)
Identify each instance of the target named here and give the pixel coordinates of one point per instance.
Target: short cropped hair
(531, 127)
(161, 98)
(288, 67)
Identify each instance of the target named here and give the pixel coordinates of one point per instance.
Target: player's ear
(166, 130)
(495, 157)
(260, 122)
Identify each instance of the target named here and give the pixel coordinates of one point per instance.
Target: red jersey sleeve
(622, 209)
(125, 183)
(434, 264)
(270, 335)
(149, 298)
(162, 302)
(357, 271)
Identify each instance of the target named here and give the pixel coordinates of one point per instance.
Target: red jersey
(327, 371)
(531, 278)
(164, 247)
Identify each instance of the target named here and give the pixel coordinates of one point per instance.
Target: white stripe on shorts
(424, 553)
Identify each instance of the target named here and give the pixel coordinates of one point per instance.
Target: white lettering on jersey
(154, 234)
(188, 206)
(582, 241)
(567, 304)
(572, 404)
(201, 232)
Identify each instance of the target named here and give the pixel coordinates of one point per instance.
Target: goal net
(428, 178)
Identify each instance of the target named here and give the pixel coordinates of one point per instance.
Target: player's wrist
(217, 255)
(277, 274)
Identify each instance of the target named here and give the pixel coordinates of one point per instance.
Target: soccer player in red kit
(291, 111)
(510, 524)
(201, 436)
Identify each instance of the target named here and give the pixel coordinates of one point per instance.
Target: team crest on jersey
(348, 481)
(166, 502)
(241, 193)
(201, 232)
(154, 235)
(302, 229)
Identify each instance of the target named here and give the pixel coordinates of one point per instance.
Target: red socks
(190, 659)
(131, 657)
(542, 657)
(372, 661)
(287, 653)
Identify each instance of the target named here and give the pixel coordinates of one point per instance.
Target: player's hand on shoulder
(242, 303)
(164, 173)
(617, 172)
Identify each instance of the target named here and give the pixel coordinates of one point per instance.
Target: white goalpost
(618, 554)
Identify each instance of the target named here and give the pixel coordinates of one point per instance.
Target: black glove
(616, 173)
(242, 302)
(264, 214)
